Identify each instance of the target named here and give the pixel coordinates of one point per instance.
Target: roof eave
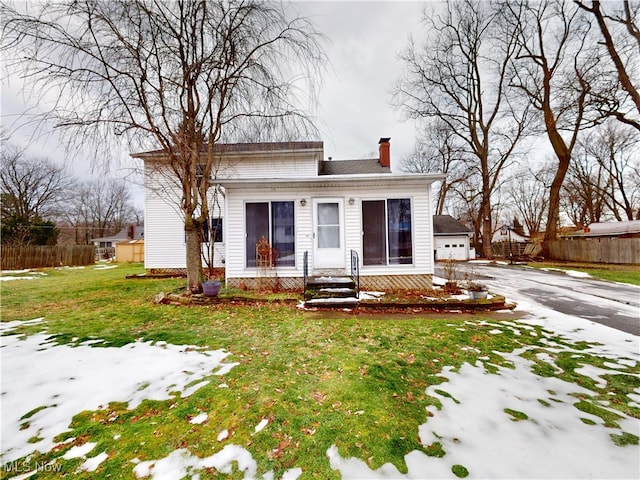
(427, 178)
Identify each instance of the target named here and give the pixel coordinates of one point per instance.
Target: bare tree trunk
(553, 218)
(563, 155)
(487, 231)
(193, 258)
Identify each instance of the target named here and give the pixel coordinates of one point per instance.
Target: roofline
(245, 148)
(361, 178)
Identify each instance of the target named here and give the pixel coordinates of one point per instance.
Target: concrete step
(335, 302)
(331, 292)
(330, 282)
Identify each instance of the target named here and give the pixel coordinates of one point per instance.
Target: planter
(210, 288)
(478, 295)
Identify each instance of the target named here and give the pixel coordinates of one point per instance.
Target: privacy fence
(596, 250)
(34, 256)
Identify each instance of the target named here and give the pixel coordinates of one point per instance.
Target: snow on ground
(480, 426)
(44, 384)
(509, 424)
(571, 273)
(180, 463)
(25, 274)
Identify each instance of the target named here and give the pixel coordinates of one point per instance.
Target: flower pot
(210, 288)
(478, 295)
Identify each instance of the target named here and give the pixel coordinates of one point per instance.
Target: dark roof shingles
(446, 224)
(352, 167)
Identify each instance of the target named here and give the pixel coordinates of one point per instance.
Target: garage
(451, 239)
(452, 248)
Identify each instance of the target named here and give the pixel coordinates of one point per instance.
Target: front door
(328, 233)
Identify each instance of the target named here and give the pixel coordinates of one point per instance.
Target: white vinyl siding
(164, 226)
(268, 166)
(235, 228)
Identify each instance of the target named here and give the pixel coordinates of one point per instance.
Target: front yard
(110, 384)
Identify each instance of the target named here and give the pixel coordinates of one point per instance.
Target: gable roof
(352, 167)
(138, 232)
(611, 229)
(447, 225)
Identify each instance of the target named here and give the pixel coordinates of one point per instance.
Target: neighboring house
(105, 246)
(452, 239)
(309, 210)
(508, 243)
(625, 229)
(508, 234)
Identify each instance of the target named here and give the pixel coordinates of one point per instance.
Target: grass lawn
(321, 379)
(613, 273)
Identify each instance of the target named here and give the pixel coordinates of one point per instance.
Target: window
(275, 222)
(387, 232)
(215, 227)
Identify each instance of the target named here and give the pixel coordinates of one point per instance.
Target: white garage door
(454, 248)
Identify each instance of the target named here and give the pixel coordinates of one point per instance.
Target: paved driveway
(612, 304)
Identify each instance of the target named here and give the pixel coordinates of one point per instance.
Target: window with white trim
(275, 222)
(387, 232)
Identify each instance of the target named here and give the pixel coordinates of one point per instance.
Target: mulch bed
(408, 304)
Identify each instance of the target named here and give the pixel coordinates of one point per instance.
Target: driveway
(613, 304)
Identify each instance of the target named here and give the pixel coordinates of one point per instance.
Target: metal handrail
(355, 270)
(305, 273)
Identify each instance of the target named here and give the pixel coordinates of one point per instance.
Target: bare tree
(33, 192)
(99, 208)
(584, 191)
(615, 151)
(527, 191)
(554, 70)
(438, 150)
(619, 29)
(459, 76)
(180, 76)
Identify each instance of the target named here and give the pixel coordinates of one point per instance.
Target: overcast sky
(364, 39)
(363, 43)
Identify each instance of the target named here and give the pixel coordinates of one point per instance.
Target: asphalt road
(613, 304)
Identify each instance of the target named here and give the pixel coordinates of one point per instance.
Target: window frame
(272, 231)
(388, 238)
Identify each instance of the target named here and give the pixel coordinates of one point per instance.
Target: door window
(328, 225)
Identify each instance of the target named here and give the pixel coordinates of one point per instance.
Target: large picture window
(387, 232)
(275, 222)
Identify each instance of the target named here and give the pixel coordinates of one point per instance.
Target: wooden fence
(35, 256)
(596, 250)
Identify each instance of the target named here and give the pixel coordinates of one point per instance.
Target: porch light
(352, 201)
(303, 202)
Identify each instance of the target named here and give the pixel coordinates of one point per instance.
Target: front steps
(331, 292)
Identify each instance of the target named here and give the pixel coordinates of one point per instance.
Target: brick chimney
(385, 155)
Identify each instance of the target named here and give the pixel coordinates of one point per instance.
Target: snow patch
(91, 464)
(517, 428)
(66, 380)
(79, 451)
(199, 419)
(181, 463)
(263, 423)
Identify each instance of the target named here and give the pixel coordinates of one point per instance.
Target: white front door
(328, 233)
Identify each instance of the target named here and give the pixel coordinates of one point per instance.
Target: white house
(106, 246)
(319, 215)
